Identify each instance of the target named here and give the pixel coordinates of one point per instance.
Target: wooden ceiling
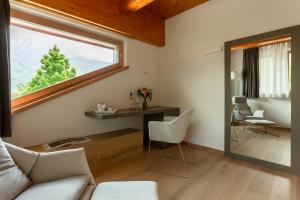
(169, 8)
(143, 20)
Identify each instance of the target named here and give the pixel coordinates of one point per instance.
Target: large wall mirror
(262, 91)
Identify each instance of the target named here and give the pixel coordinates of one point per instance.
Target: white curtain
(274, 70)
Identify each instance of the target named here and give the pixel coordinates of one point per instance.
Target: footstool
(264, 123)
(127, 190)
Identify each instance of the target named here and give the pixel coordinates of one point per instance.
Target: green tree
(55, 68)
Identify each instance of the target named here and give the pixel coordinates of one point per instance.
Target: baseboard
(284, 128)
(206, 148)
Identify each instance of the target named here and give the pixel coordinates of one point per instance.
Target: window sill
(47, 94)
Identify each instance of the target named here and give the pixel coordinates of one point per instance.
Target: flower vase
(145, 105)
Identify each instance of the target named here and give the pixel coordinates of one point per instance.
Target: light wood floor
(213, 177)
(255, 143)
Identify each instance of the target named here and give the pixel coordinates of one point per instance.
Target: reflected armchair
(242, 110)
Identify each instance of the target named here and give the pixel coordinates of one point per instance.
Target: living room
(127, 65)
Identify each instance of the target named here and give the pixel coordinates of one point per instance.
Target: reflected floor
(255, 143)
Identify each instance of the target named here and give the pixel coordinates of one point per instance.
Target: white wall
(185, 77)
(193, 80)
(64, 116)
(276, 109)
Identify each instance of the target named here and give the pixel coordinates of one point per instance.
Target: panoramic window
(45, 60)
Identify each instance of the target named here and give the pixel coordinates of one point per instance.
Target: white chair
(171, 130)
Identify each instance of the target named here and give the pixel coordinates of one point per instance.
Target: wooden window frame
(280, 39)
(46, 94)
(290, 69)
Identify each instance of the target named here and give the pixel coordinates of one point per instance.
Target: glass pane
(40, 58)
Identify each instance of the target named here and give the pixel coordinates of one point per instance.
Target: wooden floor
(255, 143)
(213, 177)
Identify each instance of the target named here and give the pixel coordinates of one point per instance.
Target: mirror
(260, 90)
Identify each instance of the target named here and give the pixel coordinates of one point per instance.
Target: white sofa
(61, 175)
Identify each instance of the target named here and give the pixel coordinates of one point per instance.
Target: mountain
(84, 65)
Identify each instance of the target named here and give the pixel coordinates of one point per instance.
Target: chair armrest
(60, 164)
(236, 116)
(169, 118)
(258, 113)
(159, 131)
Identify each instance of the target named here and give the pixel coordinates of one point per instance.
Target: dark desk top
(170, 111)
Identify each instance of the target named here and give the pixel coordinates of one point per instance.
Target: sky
(42, 41)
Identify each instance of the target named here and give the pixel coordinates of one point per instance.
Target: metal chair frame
(172, 158)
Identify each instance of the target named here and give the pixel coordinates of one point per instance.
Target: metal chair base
(172, 158)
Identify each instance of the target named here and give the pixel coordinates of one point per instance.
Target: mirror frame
(294, 32)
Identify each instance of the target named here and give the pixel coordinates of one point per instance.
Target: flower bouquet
(145, 93)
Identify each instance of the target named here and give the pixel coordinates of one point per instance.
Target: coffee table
(126, 190)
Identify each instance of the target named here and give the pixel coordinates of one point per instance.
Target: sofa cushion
(127, 190)
(25, 159)
(60, 164)
(13, 180)
(63, 189)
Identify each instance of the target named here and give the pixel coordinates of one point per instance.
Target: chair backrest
(180, 125)
(240, 105)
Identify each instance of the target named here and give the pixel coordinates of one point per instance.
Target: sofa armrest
(60, 164)
(25, 159)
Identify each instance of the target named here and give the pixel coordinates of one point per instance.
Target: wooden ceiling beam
(166, 9)
(130, 6)
(142, 25)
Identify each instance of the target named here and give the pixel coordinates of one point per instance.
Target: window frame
(290, 69)
(43, 95)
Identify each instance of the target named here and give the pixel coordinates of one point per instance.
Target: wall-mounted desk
(155, 113)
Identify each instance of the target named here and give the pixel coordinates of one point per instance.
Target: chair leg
(149, 148)
(149, 154)
(163, 152)
(266, 129)
(180, 159)
(278, 132)
(184, 162)
(172, 174)
(236, 136)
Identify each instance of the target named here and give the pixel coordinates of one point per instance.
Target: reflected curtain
(251, 73)
(5, 106)
(274, 70)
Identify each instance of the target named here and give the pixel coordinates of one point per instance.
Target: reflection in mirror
(261, 104)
